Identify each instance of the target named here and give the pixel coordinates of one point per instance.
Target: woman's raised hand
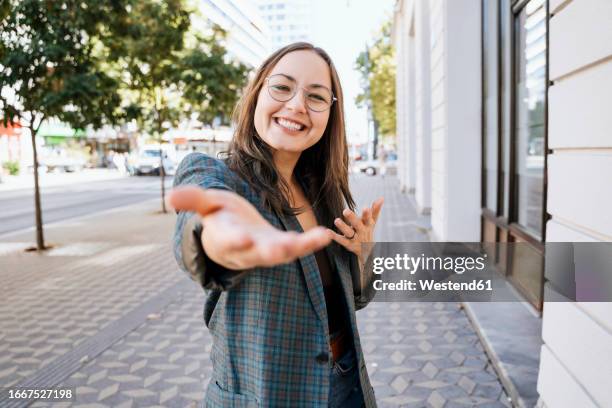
(236, 236)
(357, 230)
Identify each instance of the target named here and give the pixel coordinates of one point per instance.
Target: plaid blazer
(269, 325)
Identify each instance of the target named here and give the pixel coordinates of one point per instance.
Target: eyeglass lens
(283, 89)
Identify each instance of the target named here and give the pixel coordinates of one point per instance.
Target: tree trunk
(40, 240)
(162, 175)
(376, 141)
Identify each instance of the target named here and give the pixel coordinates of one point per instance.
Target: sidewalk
(109, 314)
(26, 181)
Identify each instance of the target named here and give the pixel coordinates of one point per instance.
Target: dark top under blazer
(269, 325)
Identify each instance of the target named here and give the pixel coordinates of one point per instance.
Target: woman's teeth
(289, 125)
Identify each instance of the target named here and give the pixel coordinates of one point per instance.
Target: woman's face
(291, 127)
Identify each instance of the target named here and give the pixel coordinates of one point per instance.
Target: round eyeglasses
(282, 89)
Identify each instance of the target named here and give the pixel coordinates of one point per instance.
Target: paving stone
(489, 391)
(138, 393)
(436, 400)
(425, 346)
(457, 357)
(397, 357)
(399, 384)
(430, 370)
(467, 384)
(108, 391)
(401, 400)
(452, 392)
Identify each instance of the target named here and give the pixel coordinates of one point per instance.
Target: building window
(530, 89)
(514, 85)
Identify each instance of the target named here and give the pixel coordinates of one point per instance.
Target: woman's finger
(341, 239)
(308, 242)
(196, 199)
(366, 217)
(346, 229)
(353, 219)
(376, 207)
(288, 246)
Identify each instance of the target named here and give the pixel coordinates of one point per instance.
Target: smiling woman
(282, 286)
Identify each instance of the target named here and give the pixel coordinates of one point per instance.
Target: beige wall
(438, 109)
(576, 360)
(456, 119)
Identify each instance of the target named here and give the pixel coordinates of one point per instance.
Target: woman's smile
(289, 126)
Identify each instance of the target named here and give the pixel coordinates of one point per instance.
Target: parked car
(372, 167)
(147, 162)
(369, 167)
(60, 160)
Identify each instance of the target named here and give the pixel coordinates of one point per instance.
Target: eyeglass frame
(267, 79)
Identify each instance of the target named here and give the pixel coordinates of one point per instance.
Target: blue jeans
(345, 389)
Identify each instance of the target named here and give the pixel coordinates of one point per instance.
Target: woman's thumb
(195, 199)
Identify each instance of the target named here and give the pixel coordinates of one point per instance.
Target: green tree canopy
(377, 68)
(211, 83)
(165, 81)
(150, 54)
(51, 55)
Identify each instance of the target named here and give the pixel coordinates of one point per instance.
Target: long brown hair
(322, 168)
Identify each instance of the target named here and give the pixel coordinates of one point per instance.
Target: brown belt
(339, 343)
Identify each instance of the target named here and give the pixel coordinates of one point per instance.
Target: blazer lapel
(311, 272)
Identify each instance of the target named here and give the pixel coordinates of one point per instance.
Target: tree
(151, 67)
(51, 66)
(168, 81)
(211, 85)
(377, 68)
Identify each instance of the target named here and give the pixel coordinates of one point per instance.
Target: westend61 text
(429, 285)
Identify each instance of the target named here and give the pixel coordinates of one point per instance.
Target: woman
(282, 286)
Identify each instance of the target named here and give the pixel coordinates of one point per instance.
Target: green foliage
(92, 62)
(96, 62)
(377, 68)
(12, 167)
(52, 65)
(211, 85)
(148, 66)
(50, 57)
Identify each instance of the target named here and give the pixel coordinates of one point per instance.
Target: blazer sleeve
(363, 288)
(204, 171)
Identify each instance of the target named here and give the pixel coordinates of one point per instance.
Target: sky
(342, 28)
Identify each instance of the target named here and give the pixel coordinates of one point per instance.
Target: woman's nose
(298, 102)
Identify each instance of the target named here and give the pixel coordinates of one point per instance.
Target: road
(74, 200)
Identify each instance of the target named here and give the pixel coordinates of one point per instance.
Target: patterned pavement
(115, 274)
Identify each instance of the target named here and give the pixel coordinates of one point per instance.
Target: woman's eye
(281, 88)
(318, 98)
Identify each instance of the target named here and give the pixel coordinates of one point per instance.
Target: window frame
(507, 228)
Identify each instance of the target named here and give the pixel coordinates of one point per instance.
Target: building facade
(288, 20)
(504, 137)
(248, 35)
(10, 142)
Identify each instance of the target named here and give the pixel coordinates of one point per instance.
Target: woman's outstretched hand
(236, 236)
(357, 230)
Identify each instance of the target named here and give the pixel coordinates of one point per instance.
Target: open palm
(236, 235)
